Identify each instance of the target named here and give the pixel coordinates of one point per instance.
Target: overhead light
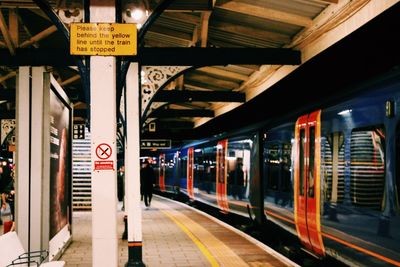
(136, 12)
(345, 112)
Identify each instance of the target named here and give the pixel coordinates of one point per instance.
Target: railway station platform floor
(177, 235)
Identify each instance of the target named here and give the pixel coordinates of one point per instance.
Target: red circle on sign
(103, 151)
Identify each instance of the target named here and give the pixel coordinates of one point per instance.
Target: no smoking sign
(103, 152)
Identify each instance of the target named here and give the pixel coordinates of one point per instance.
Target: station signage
(103, 39)
(155, 144)
(79, 131)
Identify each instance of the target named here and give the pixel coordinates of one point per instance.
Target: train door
(190, 166)
(307, 182)
(161, 177)
(221, 175)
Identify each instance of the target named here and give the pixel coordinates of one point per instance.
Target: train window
(311, 162)
(278, 166)
(272, 166)
(367, 168)
(332, 166)
(301, 162)
(286, 167)
(238, 166)
(183, 167)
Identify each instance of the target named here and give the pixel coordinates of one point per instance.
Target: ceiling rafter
(265, 13)
(27, 31)
(205, 18)
(203, 85)
(224, 73)
(212, 80)
(6, 34)
(162, 35)
(8, 76)
(257, 33)
(41, 35)
(171, 33)
(13, 26)
(70, 80)
(186, 17)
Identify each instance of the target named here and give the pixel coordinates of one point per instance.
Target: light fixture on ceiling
(137, 12)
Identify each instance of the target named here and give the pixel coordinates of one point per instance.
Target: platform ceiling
(250, 60)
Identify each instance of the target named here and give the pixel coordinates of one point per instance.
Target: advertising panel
(60, 169)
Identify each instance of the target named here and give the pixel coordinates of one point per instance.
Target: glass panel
(367, 168)
(286, 167)
(332, 167)
(238, 168)
(272, 166)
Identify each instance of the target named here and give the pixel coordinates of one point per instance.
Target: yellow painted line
(202, 248)
(217, 250)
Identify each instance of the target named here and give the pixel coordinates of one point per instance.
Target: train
(329, 176)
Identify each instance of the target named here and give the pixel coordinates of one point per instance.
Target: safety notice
(103, 39)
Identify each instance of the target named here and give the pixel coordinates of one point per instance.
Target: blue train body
(330, 177)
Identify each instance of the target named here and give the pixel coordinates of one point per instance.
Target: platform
(175, 234)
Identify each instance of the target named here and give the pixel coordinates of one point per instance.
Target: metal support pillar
(104, 149)
(132, 167)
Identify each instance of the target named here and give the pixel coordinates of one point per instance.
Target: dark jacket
(147, 179)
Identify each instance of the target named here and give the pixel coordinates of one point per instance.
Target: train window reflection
(367, 167)
(278, 166)
(333, 166)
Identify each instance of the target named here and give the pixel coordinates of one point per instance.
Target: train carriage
(329, 177)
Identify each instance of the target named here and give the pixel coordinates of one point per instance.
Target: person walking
(147, 179)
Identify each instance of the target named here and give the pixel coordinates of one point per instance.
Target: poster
(60, 174)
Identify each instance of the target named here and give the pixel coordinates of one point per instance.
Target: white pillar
(23, 114)
(31, 218)
(103, 132)
(132, 167)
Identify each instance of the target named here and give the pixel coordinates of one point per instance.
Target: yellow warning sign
(103, 39)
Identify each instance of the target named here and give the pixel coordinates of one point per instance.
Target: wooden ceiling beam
(331, 1)
(246, 31)
(6, 34)
(70, 80)
(8, 76)
(224, 73)
(265, 13)
(205, 18)
(13, 26)
(41, 35)
(185, 17)
(171, 33)
(211, 80)
(203, 86)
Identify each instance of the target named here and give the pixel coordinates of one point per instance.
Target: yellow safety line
(202, 248)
